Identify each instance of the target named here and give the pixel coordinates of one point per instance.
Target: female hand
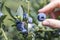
(49, 9)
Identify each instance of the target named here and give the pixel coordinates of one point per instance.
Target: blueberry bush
(19, 20)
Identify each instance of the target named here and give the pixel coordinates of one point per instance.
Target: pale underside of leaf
(20, 12)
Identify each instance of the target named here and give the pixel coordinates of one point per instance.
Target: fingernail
(45, 23)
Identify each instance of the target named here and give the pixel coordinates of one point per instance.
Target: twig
(4, 34)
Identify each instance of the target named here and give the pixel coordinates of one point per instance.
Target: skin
(54, 23)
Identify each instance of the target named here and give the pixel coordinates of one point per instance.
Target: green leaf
(2, 18)
(9, 10)
(20, 12)
(34, 16)
(12, 20)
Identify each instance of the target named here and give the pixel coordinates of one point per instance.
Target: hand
(53, 23)
(49, 9)
(51, 6)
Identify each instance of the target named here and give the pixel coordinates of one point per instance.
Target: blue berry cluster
(21, 27)
(41, 16)
(25, 16)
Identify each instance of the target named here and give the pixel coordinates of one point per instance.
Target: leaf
(20, 12)
(8, 9)
(2, 5)
(12, 20)
(34, 16)
(2, 18)
(13, 13)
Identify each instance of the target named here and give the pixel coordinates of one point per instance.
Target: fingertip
(39, 10)
(42, 10)
(45, 22)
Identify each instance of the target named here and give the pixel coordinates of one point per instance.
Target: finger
(48, 8)
(52, 23)
(51, 0)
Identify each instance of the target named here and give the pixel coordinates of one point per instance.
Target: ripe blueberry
(1, 14)
(25, 15)
(30, 20)
(41, 16)
(20, 27)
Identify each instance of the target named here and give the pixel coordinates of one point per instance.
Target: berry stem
(4, 33)
(28, 6)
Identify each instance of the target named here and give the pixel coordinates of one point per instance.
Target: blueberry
(23, 26)
(20, 26)
(41, 16)
(1, 14)
(24, 31)
(30, 20)
(25, 15)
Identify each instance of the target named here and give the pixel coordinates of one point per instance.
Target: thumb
(52, 23)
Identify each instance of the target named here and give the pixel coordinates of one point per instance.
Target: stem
(33, 36)
(4, 34)
(28, 6)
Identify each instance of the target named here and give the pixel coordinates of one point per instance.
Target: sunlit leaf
(20, 12)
